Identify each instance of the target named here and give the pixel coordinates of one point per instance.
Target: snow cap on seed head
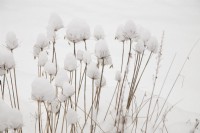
(11, 41)
(43, 58)
(42, 90)
(77, 30)
(72, 117)
(50, 68)
(144, 35)
(87, 57)
(130, 30)
(99, 81)
(42, 41)
(98, 33)
(70, 63)
(79, 55)
(139, 46)
(93, 71)
(119, 35)
(61, 77)
(152, 45)
(101, 49)
(68, 89)
(55, 22)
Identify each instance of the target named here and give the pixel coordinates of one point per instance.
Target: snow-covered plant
(101, 49)
(68, 90)
(72, 116)
(9, 118)
(106, 61)
(70, 63)
(36, 51)
(144, 35)
(130, 30)
(119, 35)
(139, 46)
(80, 55)
(9, 60)
(61, 77)
(77, 30)
(101, 82)
(42, 90)
(50, 68)
(55, 22)
(118, 76)
(41, 43)
(87, 57)
(98, 33)
(93, 71)
(43, 58)
(152, 45)
(11, 41)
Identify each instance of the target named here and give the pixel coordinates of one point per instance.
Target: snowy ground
(179, 19)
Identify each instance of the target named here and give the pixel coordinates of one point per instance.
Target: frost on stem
(9, 118)
(152, 45)
(93, 71)
(87, 57)
(98, 33)
(70, 63)
(43, 58)
(11, 41)
(68, 89)
(118, 76)
(139, 46)
(119, 35)
(50, 68)
(55, 22)
(130, 30)
(61, 77)
(79, 55)
(72, 117)
(41, 43)
(99, 82)
(101, 49)
(42, 90)
(77, 30)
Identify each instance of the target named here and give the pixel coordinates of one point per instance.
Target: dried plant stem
(122, 56)
(92, 126)
(186, 59)
(85, 44)
(12, 86)
(85, 108)
(11, 102)
(162, 86)
(48, 119)
(16, 90)
(64, 116)
(3, 89)
(39, 117)
(111, 100)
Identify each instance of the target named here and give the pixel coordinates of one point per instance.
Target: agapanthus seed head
(144, 35)
(70, 63)
(152, 45)
(98, 33)
(55, 22)
(139, 46)
(11, 41)
(68, 89)
(87, 57)
(130, 30)
(119, 35)
(61, 77)
(101, 49)
(79, 55)
(93, 71)
(50, 68)
(43, 58)
(42, 41)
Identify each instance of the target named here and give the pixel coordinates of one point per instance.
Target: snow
(179, 19)
(70, 63)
